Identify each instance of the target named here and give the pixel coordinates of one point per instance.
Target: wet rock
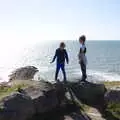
(23, 73)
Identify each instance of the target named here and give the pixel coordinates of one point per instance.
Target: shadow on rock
(66, 112)
(94, 95)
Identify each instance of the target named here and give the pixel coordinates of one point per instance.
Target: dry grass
(112, 84)
(13, 86)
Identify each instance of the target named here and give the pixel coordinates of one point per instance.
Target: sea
(103, 60)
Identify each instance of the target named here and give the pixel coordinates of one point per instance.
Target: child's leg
(83, 69)
(57, 71)
(63, 71)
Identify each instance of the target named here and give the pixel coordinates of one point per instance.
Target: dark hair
(62, 44)
(83, 38)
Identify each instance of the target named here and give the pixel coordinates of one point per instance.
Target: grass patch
(4, 91)
(114, 83)
(14, 85)
(114, 108)
(111, 84)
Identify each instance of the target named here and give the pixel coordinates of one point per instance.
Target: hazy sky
(36, 20)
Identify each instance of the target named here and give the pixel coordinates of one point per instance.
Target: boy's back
(61, 55)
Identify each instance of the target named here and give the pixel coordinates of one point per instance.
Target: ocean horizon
(103, 60)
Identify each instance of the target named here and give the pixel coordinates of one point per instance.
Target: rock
(39, 98)
(67, 112)
(60, 90)
(43, 95)
(35, 99)
(88, 93)
(76, 116)
(23, 73)
(17, 107)
(112, 96)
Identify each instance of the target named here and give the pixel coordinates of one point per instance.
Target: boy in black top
(61, 55)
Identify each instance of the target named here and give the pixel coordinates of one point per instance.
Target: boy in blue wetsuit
(61, 55)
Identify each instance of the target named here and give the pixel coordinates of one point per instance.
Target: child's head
(62, 45)
(82, 39)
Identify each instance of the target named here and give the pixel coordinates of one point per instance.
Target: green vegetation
(14, 85)
(6, 90)
(114, 108)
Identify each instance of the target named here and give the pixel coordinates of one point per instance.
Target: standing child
(82, 57)
(61, 55)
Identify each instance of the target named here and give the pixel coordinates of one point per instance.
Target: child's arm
(80, 51)
(66, 57)
(54, 57)
(85, 50)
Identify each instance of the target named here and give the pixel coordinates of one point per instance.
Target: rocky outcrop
(23, 73)
(45, 97)
(17, 107)
(26, 102)
(89, 93)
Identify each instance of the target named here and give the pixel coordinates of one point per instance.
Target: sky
(30, 21)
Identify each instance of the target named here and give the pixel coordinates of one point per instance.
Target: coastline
(22, 82)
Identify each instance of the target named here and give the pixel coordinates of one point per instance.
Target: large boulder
(23, 73)
(43, 95)
(88, 93)
(39, 98)
(17, 107)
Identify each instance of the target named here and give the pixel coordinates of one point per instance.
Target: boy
(61, 55)
(82, 57)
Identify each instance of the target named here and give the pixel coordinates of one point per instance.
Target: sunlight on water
(103, 62)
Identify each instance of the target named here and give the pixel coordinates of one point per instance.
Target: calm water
(103, 60)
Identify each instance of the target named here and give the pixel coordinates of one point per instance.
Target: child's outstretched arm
(54, 57)
(66, 57)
